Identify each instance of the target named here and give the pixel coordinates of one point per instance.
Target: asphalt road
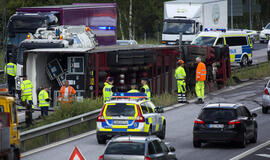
(179, 130)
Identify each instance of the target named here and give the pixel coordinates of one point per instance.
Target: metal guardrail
(50, 128)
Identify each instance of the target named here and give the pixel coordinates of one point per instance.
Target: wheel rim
(245, 60)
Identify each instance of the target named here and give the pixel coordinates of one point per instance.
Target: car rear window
(125, 148)
(120, 109)
(217, 114)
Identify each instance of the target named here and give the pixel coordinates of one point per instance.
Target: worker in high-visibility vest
(145, 88)
(180, 75)
(67, 94)
(200, 78)
(10, 71)
(26, 91)
(107, 89)
(44, 101)
(133, 87)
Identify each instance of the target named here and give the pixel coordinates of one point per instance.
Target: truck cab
(9, 133)
(21, 24)
(172, 27)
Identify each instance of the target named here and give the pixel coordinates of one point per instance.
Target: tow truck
(9, 133)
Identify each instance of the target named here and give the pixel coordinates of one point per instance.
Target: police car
(130, 114)
(238, 42)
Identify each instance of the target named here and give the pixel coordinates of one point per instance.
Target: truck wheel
(244, 61)
(101, 139)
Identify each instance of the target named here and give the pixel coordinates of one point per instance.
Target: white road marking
(255, 109)
(263, 155)
(250, 151)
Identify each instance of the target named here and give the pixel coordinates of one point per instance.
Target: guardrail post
(89, 124)
(69, 131)
(46, 139)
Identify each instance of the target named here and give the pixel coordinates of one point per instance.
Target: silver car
(138, 148)
(266, 98)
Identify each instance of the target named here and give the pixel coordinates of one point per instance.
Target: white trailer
(189, 17)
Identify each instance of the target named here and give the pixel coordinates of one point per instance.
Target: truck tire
(264, 110)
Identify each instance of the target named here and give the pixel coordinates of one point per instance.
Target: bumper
(266, 101)
(111, 134)
(216, 136)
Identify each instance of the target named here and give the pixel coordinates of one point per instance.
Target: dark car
(225, 123)
(138, 148)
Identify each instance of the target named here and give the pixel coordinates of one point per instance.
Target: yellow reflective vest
(11, 69)
(107, 92)
(133, 91)
(147, 91)
(180, 73)
(26, 88)
(42, 96)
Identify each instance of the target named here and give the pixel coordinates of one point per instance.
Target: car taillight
(198, 121)
(140, 117)
(233, 122)
(101, 157)
(100, 119)
(147, 158)
(266, 91)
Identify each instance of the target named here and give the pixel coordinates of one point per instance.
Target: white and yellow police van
(238, 42)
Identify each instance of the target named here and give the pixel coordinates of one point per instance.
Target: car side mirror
(201, 28)
(254, 114)
(172, 149)
(159, 109)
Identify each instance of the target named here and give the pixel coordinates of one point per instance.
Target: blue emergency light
(124, 94)
(217, 29)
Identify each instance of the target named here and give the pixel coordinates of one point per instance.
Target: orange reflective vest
(201, 72)
(71, 91)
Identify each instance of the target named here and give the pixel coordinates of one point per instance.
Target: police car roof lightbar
(216, 29)
(128, 95)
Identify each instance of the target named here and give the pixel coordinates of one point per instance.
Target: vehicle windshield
(120, 109)
(202, 40)
(267, 26)
(125, 148)
(217, 114)
(29, 24)
(175, 27)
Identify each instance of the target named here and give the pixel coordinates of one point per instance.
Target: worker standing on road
(145, 88)
(107, 89)
(26, 91)
(44, 101)
(180, 76)
(200, 78)
(10, 71)
(133, 87)
(67, 94)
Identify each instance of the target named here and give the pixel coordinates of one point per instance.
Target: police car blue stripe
(119, 130)
(246, 49)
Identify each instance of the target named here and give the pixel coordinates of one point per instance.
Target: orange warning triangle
(76, 155)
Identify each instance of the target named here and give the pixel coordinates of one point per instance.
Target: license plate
(120, 122)
(216, 125)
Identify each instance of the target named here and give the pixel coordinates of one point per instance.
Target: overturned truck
(47, 61)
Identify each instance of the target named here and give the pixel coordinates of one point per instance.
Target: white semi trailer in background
(189, 17)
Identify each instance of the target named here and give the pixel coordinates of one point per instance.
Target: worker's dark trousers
(181, 85)
(11, 84)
